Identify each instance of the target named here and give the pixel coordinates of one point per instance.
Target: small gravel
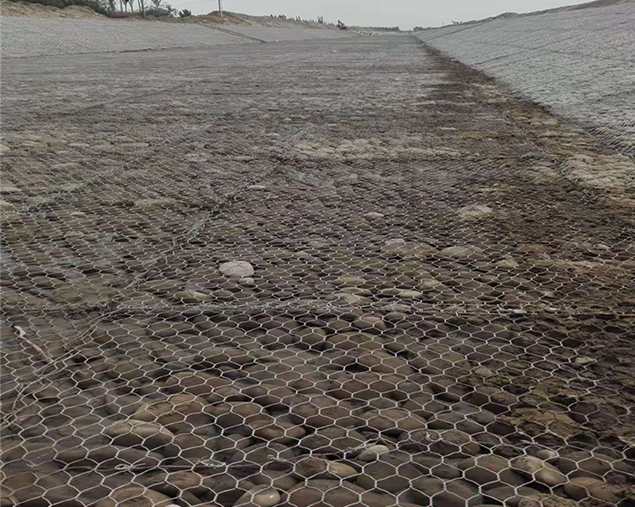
(579, 63)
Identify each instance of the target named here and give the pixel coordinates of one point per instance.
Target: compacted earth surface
(329, 273)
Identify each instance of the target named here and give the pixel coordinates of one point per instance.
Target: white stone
(547, 455)
(351, 298)
(262, 496)
(475, 211)
(538, 470)
(239, 269)
(463, 252)
(409, 294)
(507, 263)
(374, 214)
(150, 202)
(372, 452)
(350, 281)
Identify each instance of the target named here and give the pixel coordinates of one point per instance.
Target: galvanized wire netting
(578, 63)
(330, 273)
(32, 36)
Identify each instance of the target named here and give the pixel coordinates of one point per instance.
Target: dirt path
(254, 265)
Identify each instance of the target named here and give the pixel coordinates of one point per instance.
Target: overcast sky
(404, 13)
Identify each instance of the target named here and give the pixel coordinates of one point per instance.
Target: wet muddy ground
(345, 272)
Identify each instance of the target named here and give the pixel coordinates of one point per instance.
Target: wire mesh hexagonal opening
(299, 299)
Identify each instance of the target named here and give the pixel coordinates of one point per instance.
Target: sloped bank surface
(580, 63)
(36, 36)
(23, 37)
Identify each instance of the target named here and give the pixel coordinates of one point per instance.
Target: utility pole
(220, 7)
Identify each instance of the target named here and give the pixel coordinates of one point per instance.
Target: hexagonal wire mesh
(576, 61)
(323, 274)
